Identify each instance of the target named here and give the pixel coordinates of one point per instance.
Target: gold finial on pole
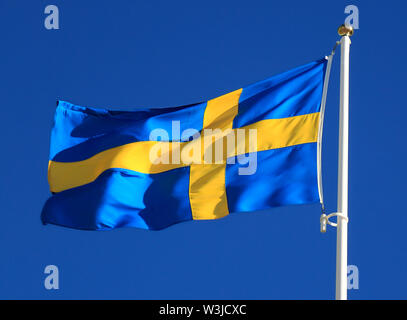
(345, 30)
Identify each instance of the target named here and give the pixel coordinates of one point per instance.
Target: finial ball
(345, 30)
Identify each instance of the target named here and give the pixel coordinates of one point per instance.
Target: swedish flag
(151, 168)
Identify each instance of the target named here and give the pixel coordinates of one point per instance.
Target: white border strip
(321, 127)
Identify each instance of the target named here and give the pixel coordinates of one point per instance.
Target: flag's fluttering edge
(251, 149)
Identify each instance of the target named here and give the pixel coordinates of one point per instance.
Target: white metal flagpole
(342, 216)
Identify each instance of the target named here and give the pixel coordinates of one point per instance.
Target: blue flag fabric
(151, 168)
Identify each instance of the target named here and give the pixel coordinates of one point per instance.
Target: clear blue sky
(123, 54)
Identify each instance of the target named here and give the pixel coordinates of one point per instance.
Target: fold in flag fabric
(151, 168)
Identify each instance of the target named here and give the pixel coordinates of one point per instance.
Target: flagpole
(342, 224)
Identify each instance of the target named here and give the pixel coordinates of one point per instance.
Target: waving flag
(250, 149)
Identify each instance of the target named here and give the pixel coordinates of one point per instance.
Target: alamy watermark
(352, 20)
(211, 146)
(51, 281)
(52, 19)
(353, 277)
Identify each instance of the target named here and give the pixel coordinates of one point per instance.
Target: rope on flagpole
(325, 220)
(321, 126)
(337, 43)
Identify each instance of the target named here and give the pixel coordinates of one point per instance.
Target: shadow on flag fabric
(151, 168)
